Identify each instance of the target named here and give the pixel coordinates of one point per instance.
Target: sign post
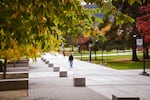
(140, 44)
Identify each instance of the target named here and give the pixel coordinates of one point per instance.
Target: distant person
(64, 53)
(71, 60)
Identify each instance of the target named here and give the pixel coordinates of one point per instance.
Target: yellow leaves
(131, 2)
(87, 33)
(11, 53)
(22, 8)
(14, 15)
(114, 10)
(41, 29)
(2, 32)
(42, 19)
(54, 39)
(105, 29)
(96, 31)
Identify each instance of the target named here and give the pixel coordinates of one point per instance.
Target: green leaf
(25, 2)
(16, 22)
(34, 30)
(131, 2)
(100, 20)
(123, 18)
(106, 8)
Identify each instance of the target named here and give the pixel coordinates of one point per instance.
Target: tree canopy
(28, 27)
(143, 22)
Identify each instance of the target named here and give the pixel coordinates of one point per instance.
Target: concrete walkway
(101, 82)
(107, 81)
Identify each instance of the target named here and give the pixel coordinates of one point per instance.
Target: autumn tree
(29, 27)
(122, 12)
(143, 25)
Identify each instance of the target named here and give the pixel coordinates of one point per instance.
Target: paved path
(107, 81)
(101, 82)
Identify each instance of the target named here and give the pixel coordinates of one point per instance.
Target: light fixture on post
(144, 72)
(134, 56)
(90, 53)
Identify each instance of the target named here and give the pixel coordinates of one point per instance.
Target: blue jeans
(71, 63)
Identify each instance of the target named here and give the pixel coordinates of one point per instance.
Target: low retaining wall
(114, 97)
(19, 63)
(12, 95)
(14, 75)
(13, 84)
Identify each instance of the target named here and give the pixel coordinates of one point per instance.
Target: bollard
(50, 65)
(63, 73)
(56, 69)
(46, 62)
(79, 82)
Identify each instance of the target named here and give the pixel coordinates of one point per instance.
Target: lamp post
(96, 48)
(80, 50)
(90, 49)
(102, 55)
(134, 56)
(144, 72)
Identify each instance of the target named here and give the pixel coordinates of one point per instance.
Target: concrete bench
(19, 63)
(22, 61)
(14, 75)
(13, 84)
(79, 82)
(114, 97)
(56, 69)
(63, 73)
(10, 95)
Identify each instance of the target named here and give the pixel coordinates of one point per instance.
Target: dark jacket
(70, 58)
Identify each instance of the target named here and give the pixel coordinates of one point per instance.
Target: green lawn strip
(127, 65)
(86, 52)
(120, 62)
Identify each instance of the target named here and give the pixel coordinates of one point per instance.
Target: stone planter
(56, 69)
(79, 82)
(63, 73)
(46, 62)
(50, 65)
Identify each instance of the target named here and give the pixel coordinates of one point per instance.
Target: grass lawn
(120, 62)
(117, 62)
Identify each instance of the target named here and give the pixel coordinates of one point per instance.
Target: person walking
(64, 54)
(71, 60)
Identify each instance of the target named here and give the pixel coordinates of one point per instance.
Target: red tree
(143, 22)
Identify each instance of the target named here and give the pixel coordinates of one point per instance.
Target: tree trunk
(134, 55)
(72, 48)
(14, 62)
(147, 53)
(95, 55)
(4, 71)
